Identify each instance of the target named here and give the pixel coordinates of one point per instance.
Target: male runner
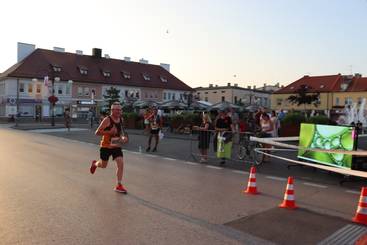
(113, 137)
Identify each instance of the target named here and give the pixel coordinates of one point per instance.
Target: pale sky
(249, 42)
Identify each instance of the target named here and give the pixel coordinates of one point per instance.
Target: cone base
(358, 220)
(288, 206)
(251, 192)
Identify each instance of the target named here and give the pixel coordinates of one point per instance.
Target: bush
(293, 118)
(319, 120)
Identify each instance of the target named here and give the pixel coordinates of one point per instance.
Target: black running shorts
(105, 153)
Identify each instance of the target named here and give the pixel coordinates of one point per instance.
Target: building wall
(168, 94)
(327, 101)
(151, 94)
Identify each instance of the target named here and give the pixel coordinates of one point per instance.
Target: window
(146, 77)
(169, 96)
(86, 91)
(173, 96)
(235, 99)
(163, 79)
(30, 88)
(279, 101)
(137, 94)
(38, 88)
(56, 68)
(156, 95)
(359, 100)
(223, 99)
(198, 93)
(181, 96)
(126, 74)
(126, 93)
(145, 95)
(214, 92)
(21, 87)
(337, 101)
(206, 99)
(348, 101)
(59, 89)
(83, 70)
(322, 86)
(223, 92)
(80, 91)
(206, 92)
(106, 73)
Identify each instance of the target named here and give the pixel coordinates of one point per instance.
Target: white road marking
(315, 185)
(213, 167)
(191, 163)
(51, 130)
(276, 178)
(169, 159)
(353, 192)
(240, 172)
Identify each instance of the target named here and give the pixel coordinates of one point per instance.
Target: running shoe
(93, 167)
(120, 188)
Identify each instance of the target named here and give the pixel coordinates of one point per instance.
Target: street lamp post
(53, 99)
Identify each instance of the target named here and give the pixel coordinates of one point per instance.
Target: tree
(112, 95)
(304, 97)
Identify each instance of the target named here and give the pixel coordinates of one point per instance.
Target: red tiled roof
(358, 84)
(316, 83)
(39, 64)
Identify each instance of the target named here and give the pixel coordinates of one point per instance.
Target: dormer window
(322, 86)
(56, 68)
(146, 77)
(292, 87)
(126, 74)
(163, 79)
(83, 70)
(106, 73)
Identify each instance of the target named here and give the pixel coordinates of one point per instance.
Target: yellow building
(335, 92)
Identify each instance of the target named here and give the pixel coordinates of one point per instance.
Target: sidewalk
(34, 126)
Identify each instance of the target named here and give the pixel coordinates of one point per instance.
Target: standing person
(276, 124)
(147, 116)
(91, 118)
(267, 128)
(111, 130)
(67, 119)
(257, 117)
(223, 128)
(235, 121)
(155, 126)
(204, 136)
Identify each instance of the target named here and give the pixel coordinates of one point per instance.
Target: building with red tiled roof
(336, 91)
(80, 81)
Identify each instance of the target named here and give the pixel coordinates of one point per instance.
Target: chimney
(210, 85)
(236, 84)
(277, 85)
(248, 87)
(216, 85)
(264, 85)
(128, 59)
(79, 52)
(97, 52)
(357, 75)
(58, 49)
(107, 56)
(229, 84)
(24, 49)
(254, 87)
(143, 61)
(165, 66)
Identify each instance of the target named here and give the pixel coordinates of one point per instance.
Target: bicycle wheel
(258, 157)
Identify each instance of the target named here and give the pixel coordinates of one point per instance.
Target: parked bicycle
(246, 149)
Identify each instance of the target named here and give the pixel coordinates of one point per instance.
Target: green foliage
(293, 118)
(130, 116)
(303, 97)
(112, 95)
(319, 120)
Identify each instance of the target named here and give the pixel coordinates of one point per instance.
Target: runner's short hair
(115, 103)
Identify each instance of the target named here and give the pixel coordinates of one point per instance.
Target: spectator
(67, 119)
(223, 136)
(204, 137)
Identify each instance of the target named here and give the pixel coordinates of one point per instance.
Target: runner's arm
(104, 124)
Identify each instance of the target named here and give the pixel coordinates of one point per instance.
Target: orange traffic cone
(289, 200)
(361, 214)
(251, 185)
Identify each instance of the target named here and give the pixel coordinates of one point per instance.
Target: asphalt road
(47, 196)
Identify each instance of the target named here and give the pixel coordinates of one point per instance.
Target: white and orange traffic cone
(361, 213)
(289, 198)
(251, 185)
